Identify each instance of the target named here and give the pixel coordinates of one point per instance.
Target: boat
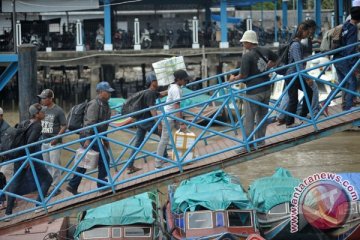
(210, 206)
(134, 218)
(271, 197)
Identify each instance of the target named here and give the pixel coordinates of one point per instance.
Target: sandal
(133, 170)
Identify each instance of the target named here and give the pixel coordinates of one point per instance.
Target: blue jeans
(102, 174)
(18, 186)
(141, 131)
(350, 85)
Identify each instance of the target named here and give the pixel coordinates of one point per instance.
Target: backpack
(13, 137)
(75, 118)
(331, 39)
(133, 104)
(283, 58)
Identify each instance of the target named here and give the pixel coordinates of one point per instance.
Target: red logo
(325, 205)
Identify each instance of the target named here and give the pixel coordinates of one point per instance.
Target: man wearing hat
(97, 111)
(149, 98)
(254, 62)
(349, 36)
(32, 135)
(53, 124)
(174, 94)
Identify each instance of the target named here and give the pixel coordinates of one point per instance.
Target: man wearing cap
(348, 36)
(97, 111)
(174, 94)
(53, 124)
(3, 125)
(256, 61)
(32, 135)
(149, 98)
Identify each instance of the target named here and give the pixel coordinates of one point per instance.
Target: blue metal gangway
(214, 145)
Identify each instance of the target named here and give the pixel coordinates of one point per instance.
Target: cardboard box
(89, 161)
(183, 141)
(165, 69)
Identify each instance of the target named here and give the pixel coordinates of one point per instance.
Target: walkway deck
(173, 175)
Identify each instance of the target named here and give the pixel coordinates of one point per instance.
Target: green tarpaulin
(137, 209)
(265, 193)
(214, 191)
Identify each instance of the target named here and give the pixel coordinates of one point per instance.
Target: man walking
(53, 124)
(149, 100)
(349, 36)
(32, 135)
(254, 62)
(97, 111)
(174, 94)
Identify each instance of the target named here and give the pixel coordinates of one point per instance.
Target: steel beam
(8, 74)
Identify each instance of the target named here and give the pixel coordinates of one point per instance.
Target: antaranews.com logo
(323, 199)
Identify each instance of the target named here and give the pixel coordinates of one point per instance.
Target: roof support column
(107, 25)
(284, 14)
(341, 11)
(223, 22)
(299, 11)
(276, 40)
(318, 17)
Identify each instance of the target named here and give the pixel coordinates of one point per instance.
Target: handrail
(116, 168)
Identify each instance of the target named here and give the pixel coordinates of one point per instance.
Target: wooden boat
(271, 198)
(132, 218)
(210, 206)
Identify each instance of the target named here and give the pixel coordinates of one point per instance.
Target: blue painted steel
(8, 74)
(284, 15)
(107, 21)
(340, 11)
(8, 57)
(275, 23)
(299, 11)
(318, 17)
(116, 174)
(223, 14)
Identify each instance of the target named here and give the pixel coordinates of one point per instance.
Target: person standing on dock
(53, 124)
(174, 94)
(97, 111)
(254, 62)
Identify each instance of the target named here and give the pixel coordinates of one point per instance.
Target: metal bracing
(11, 69)
(223, 95)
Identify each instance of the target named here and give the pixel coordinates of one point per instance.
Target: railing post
(79, 37)
(195, 24)
(137, 45)
(249, 23)
(18, 34)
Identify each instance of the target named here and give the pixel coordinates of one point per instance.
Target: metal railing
(222, 96)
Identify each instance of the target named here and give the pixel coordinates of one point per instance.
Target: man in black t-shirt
(150, 96)
(254, 62)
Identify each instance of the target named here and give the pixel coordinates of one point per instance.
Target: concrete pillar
(137, 45)
(79, 37)
(223, 15)
(27, 73)
(195, 37)
(94, 79)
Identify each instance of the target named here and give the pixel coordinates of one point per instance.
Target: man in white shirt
(174, 93)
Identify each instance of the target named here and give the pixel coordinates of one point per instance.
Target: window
(97, 233)
(240, 218)
(220, 222)
(116, 232)
(198, 220)
(137, 232)
(282, 208)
